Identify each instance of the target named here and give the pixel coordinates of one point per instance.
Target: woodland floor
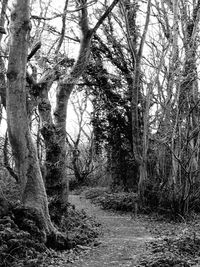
(103, 237)
(121, 243)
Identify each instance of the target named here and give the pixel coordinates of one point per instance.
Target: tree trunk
(54, 133)
(32, 187)
(2, 64)
(138, 137)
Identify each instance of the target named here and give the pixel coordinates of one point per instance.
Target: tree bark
(33, 192)
(54, 130)
(139, 136)
(2, 64)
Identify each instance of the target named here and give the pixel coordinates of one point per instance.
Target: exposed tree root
(23, 238)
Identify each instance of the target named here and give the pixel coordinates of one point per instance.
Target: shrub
(121, 201)
(22, 241)
(182, 251)
(93, 193)
(118, 201)
(81, 228)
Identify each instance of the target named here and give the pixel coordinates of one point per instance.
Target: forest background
(135, 98)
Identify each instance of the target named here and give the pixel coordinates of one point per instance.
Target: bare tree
(139, 143)
(81, 143)
(177, 101)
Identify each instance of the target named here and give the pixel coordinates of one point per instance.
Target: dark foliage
(95, 192)
(80, 228)
(111, 118)
(120, 201)
(18, 245)
(23, 243)
(175, 244)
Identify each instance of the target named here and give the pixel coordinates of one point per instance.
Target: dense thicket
(149, 129)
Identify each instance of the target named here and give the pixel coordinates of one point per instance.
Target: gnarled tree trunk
(54, 130)
(32, 187)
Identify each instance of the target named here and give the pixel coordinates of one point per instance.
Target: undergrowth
(81, 228)
(22, 242)
(119, 201)
(174, 245)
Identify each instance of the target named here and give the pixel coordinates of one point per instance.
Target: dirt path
(122, 242)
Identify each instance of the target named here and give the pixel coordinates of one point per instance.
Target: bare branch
(63, 26)
(104, 16)
(145, 30)
(84, 5)
(45, 18)
(34, 50)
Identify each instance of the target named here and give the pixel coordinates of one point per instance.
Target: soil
(122, 241)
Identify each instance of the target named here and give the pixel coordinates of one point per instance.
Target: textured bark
(55, 139)
(189, 111)
(54, 133)
(2, 64)
(172, 74)
(140, 141)
(32, 187)
(139, 136)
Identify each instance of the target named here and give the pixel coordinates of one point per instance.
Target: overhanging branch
(104, 16)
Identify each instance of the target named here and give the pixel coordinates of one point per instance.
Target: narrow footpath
(122, 242)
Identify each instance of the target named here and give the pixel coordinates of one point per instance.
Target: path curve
(122, 242)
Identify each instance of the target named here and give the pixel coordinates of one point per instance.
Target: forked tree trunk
(32, 187)
(54, 130)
